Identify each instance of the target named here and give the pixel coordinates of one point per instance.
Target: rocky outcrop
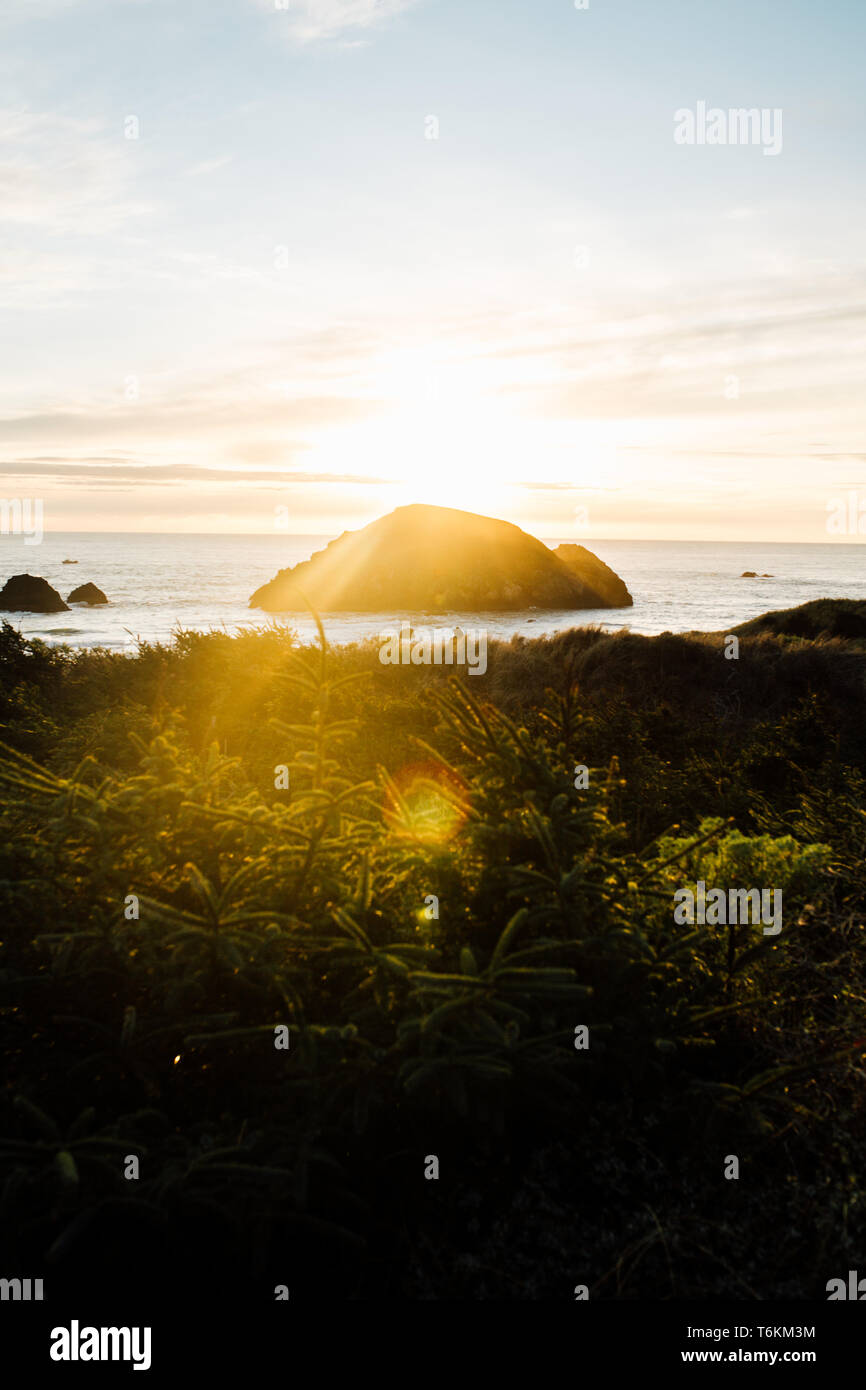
(596, 575)
(748, 574)
(438, 559)
(28, 593)
(87, 593)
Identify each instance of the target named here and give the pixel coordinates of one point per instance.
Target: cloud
(210, 166)
(535, 486)
(314, 21)
(184, 416)
(112, 473)
(37, 11)
(651, 357)
(63, 174)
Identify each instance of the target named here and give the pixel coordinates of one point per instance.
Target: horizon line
(584, 540)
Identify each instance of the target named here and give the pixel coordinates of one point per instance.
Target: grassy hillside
(167, 903)
(822, 618)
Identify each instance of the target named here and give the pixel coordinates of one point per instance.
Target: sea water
(158, 584)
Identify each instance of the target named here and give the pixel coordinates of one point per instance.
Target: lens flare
(426, 802)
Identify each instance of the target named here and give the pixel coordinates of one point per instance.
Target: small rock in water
(87, 593)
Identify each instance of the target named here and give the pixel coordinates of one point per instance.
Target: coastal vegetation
(474, 952)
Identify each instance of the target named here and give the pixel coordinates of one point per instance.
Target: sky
(269, 264)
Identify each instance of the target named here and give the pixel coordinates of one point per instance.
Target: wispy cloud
(209, 166)
(63, 174)
(313, 21)
(37, 11)
(112, 473)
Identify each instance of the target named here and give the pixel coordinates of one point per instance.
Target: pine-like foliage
(167, 906)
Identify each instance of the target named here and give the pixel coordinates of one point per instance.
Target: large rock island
(30, 593)
(438, 559)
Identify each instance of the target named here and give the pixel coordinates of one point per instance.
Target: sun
(450, 434)
(457, 455)
(444, 435)
(445, 438)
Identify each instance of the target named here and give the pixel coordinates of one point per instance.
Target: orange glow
(425, 803)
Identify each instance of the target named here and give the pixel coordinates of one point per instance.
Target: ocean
(158, 584)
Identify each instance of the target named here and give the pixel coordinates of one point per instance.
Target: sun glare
(471, 455)
(451, 434)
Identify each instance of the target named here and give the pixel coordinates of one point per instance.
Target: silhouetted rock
(438, 559)
(596, 575)
(28, 593)
(748, 574)
(87, 593)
